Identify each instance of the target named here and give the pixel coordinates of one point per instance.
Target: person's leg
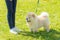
(14, 11)
(11, 6)
(10, 12)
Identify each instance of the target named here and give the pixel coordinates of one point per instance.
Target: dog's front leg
(34, 30)
(47, 28)
(31, 29)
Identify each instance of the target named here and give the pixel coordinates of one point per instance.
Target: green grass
(24, 6)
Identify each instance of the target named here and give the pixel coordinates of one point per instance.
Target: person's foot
(15, 30)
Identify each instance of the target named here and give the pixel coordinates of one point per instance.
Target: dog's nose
(26, 18)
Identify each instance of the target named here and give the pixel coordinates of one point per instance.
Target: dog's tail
(44, 14)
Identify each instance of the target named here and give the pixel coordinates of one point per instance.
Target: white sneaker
(14, 30)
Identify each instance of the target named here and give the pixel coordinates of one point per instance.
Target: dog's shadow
(52, 35)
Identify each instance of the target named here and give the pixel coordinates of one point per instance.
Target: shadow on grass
(52, 35)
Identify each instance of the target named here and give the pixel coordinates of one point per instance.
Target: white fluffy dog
(35, 22)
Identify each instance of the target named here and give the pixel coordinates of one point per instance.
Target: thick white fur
(38, 21)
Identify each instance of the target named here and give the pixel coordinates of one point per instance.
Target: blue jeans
(11, 7)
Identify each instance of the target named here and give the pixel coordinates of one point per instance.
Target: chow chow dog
(35, 22)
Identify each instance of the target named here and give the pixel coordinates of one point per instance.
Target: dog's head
(30, 17)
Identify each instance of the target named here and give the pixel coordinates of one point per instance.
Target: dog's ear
(33, 15)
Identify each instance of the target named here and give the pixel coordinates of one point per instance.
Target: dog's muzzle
(28, 20)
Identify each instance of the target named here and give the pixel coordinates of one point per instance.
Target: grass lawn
(24, 6)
